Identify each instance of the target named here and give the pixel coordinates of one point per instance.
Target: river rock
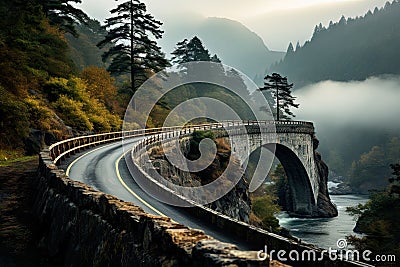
(341, 189)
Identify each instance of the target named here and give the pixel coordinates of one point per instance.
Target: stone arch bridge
(292, 142)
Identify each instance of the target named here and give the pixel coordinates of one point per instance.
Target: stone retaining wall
(84, 227)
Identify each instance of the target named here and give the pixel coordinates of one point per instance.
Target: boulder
(35, 142)
(341, 189)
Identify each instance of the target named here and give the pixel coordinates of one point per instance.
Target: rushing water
(325, 232)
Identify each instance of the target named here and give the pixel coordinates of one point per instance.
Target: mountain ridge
(350, 49)
(232, 41)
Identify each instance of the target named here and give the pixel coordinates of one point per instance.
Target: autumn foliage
(40, 87)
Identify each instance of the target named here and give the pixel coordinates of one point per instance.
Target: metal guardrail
(64, 149)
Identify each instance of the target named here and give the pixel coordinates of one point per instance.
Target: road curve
(104, 169)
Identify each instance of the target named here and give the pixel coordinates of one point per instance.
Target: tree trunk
(277, 101)
(132, 55)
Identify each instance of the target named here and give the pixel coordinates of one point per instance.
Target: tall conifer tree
(63, 14)
(193, 50)
(131, 34)
(282, 92)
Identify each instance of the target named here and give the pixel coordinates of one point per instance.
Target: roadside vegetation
(378, 220)
(269, 200)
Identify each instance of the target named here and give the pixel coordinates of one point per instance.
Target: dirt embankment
(18, 228)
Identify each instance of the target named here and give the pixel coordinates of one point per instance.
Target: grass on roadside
(6, 163)
(9, 157)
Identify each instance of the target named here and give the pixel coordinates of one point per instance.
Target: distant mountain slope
(235, 44)
(83, 49)
(351, 49)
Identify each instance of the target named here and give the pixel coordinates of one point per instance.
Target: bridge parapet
(63, 149)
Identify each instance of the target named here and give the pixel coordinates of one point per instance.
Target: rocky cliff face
(236, 204)
(325, 208)
(39, 139)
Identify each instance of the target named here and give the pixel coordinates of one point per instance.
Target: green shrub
(265, 208)
(71, 112)
(40, 116)
(78, 108)
(56, 87)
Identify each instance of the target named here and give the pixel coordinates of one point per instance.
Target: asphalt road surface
(104, 169)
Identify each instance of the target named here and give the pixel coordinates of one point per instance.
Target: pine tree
(234, 80)
(342, 21)
(180, 54)
(193, 50)
(215, 59)
(281, 91)
(316, 31)
(63, 14)
(132, 49)
(290, 49)
(395, 173)
(298, 46)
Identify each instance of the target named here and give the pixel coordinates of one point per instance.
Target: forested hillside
(351, 49)
(41, 89)
(54, 83)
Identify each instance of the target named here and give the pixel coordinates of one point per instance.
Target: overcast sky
(278, 22)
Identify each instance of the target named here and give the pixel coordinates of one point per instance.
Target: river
(325, 232)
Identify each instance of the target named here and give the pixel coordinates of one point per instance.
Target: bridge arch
(293, 145)
(300, 188)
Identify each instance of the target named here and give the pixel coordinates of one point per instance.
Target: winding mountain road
(104, 168)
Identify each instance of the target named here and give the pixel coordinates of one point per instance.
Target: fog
(373, 103)
(351, 117)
